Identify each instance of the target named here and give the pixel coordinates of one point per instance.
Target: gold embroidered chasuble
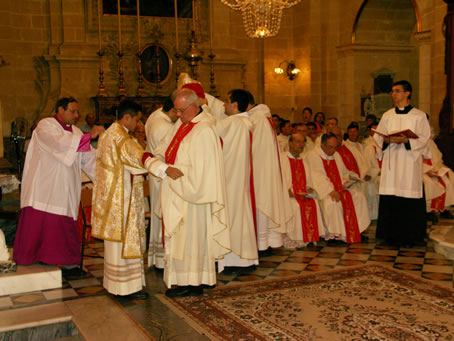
(118, 155)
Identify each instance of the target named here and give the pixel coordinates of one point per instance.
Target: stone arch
(380, 10)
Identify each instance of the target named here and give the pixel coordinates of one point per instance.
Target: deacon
(118, 203)
(344, 207)
(236, 134)
(307, 224)
(272, 214)
(157, 127)
(402, 209)
(51, 186)
(195, 219)
(371, 152)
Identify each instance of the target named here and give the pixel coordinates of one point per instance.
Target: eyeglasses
(182, 110)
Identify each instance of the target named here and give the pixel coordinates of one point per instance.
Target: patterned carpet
(371, 302)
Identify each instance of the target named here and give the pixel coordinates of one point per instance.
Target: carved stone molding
(423, 37)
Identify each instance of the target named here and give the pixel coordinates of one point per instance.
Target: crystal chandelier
(261, 18)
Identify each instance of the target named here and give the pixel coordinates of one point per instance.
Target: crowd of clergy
(229, 181)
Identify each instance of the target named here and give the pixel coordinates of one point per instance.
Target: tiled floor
(162, 324)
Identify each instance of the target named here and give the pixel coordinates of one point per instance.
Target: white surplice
(371, 152)
(272, 214)
(193, 206)
(235, 133)
(216, 107)
(52, 170)
(402, 173)
(295, 228)
(332, 211)
(156, 128)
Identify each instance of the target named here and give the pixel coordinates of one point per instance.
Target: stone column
(425, 62)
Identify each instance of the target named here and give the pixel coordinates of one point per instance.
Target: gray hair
(189, 96)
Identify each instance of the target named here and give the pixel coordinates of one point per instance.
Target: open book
(406, 132)
(353, 179)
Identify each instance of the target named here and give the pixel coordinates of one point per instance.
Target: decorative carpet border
(190, 308)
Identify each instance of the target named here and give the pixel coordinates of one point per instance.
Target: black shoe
(139, 295)
(209, 287)
(331, 242)
(73, 273)
(266, 253)
(446, 214)
(184, 291)
(433, 217)
(364, 239)
(238, 270)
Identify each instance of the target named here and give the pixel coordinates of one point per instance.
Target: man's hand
(335, 196)
(290, 193)
(173, 173)
(367, 178)
(95, 131)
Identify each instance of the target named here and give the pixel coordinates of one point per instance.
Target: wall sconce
(291, 70)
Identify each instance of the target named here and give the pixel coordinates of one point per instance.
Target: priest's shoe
(446, 214)
(237, 270)
(266, 253)
(73, 273)
(184, 290)
(138, 295)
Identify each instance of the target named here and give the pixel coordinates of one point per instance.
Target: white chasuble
(332, 211)
(52, 170)
(194, 206)
(236, 134)
(295, 229)
(402, 170)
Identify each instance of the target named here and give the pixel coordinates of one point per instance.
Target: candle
(193, 15)
(176, 24)
(99, 23)
(211, 25)
(119, 26)
(138, 24)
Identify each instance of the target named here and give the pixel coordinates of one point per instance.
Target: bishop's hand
(173, 173)
(95, 131)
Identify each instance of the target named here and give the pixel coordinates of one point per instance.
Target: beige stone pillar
(1, 130)
(424, 40)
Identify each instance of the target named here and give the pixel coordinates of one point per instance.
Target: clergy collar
(65, 126)
(404, 110)
(293, 156)
(326, 156)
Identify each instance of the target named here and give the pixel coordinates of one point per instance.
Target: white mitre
(4, 253)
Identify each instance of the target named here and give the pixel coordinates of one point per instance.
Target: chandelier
(261, 18)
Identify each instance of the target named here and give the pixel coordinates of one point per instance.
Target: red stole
(349, 160)
(350, 219)
(307, 206)
(172, 149)
(438, 203)
(251, 189)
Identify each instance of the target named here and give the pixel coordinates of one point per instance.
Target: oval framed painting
(155, 64)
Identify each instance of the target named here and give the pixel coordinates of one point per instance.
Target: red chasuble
(307, 206)
(350, 219)
(438, 203)
(349, 160)
(251, 181)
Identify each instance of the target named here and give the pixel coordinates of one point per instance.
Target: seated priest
(438, 184)
(307, 225)
(344, 206)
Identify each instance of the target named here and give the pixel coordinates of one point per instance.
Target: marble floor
(163, 324)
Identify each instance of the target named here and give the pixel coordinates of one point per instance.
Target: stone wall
(51, 47)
